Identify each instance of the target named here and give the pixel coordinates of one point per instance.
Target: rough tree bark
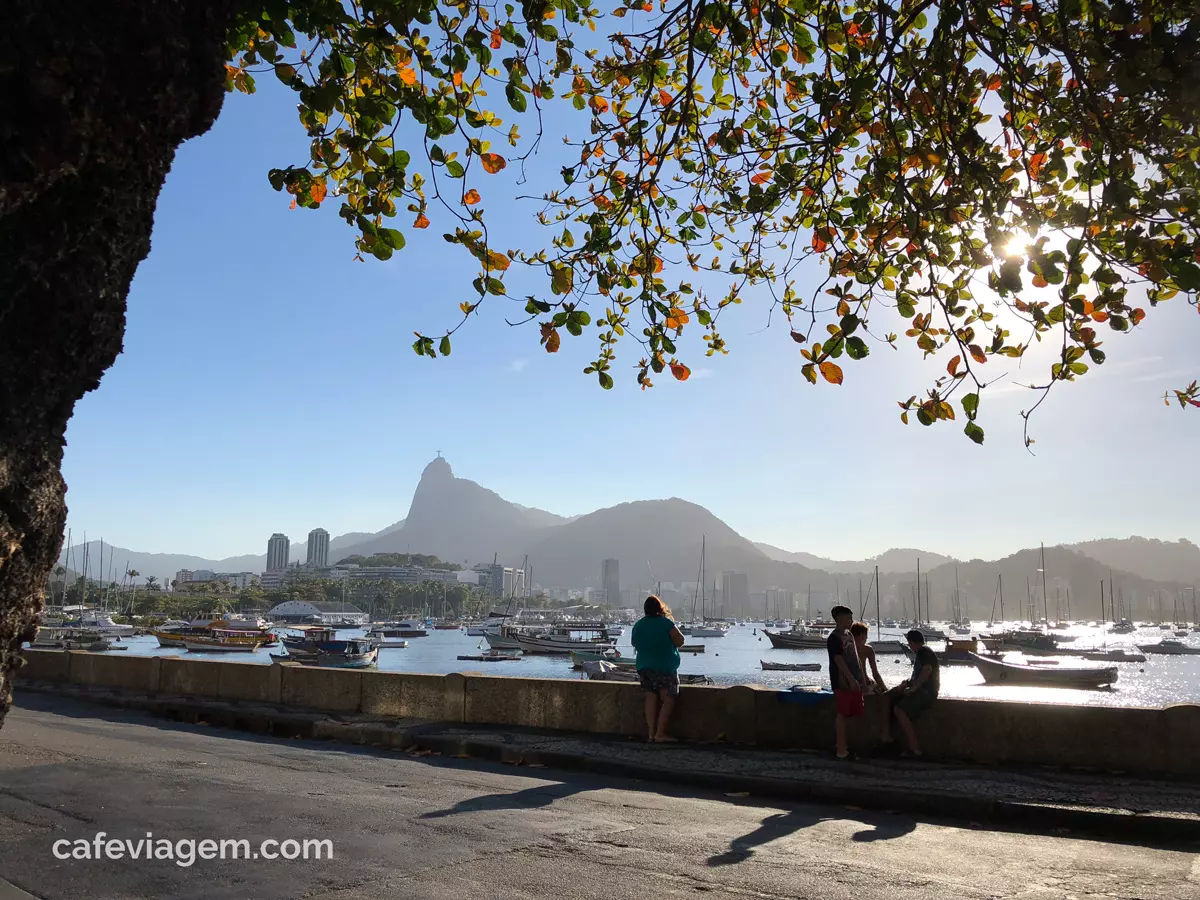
(95, 97)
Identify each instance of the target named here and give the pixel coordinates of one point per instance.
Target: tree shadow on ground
(781, 825)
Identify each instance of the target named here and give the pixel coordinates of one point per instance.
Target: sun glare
(1017, 245)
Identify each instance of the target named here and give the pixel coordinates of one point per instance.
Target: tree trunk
(94, 99)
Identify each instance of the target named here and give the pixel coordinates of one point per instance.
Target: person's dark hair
(655, 607)
(859, 628)
(915, 636)
(841, 611)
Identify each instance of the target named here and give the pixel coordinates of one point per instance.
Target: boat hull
(220, 647)
(995, 672)
(545, 645)
(782, 640)
(789, 667)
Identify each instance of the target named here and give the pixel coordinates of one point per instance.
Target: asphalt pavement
(427, 826)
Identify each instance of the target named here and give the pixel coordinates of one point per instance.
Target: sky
(268, 384)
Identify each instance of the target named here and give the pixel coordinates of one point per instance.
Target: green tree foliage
(400, 559)
(971, 175)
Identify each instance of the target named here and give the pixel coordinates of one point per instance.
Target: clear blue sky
(267, 384)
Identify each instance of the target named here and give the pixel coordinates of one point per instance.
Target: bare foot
(666, 739)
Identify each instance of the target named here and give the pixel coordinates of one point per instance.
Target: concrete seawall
(1162, 741)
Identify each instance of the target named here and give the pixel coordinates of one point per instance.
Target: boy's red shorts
(850, 704)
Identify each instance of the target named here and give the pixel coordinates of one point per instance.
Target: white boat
(63, 638)
(562, 641)
(708, 631)
(502, 637)
(103, 623)
(997, 672)
(387, 643)
(1169, 647)
(599, 670)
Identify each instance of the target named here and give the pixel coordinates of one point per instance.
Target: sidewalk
(1046, 800)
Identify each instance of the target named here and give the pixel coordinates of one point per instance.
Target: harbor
(737, 657)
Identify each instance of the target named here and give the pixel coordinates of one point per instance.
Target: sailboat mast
(918, 622)
(878, 607)
(1000, 584)
(1045, 604)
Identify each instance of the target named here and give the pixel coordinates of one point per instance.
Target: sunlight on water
(735, 659)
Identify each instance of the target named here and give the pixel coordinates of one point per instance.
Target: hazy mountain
(1160, 560)
(459, 520)
(890, 561)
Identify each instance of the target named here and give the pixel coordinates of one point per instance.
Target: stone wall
(1137, 740)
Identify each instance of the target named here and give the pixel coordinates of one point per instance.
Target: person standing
(657, 642)
(845, 672)
(910, 699)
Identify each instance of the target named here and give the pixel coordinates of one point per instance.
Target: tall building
(610, 580)
(318, 548)
(278, 548)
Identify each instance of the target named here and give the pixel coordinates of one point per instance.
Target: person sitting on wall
(657, 642)
(873, 683)
(910, 699)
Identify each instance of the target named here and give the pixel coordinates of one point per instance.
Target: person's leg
(910, 733)
(839, 730)
(651, 714)
(664, 716)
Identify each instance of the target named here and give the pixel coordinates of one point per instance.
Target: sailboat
(704, 628)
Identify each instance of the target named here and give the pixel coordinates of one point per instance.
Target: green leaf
(444, 345)
(970, 405)
(394, 238)
(923, 417)
(606, 381)
(454, 169)
(495, 286)
(561, 279)
(856, 348)
(516, 98)
(974, 432)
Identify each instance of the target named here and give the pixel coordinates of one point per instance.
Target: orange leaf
(658, 265)
(1099, 316)
(293, 204)
(664, 98)
(471, 197)
(599, 105)
(1035, 165)
(422, 221)
(676, 318)
(831, 372)
(761, 178)
(496, 39)
(457, 79)
(1039, 281)
(317, 191)
(818, 243)
(408, 76)
(1137, 315)
(550, 337)
(993, 83)
(492, 163)
(952, 369)
(680, 371)
(977, 353)
(498, 261)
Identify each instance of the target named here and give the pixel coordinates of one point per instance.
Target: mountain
(890, 562)
(1160, 560)
(459, 520)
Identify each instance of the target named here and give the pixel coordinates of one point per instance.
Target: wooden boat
(789, 667)
(318, 647)
(388, 644)
(997, 672)
(220, 641)
(563, 641)
(600, 670)
(802, 639)
(1169, 647)
(447, 626)
(692, 648)
(494, 656)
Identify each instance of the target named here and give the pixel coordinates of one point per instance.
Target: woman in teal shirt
(657, 642)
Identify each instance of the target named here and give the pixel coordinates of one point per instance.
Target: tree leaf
(444, 346)
(974, 432)
(471, 197)
(831, 372)
(680, 371)
(492, 163)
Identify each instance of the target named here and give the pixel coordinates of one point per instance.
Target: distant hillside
(890, 561)
(1160, 560)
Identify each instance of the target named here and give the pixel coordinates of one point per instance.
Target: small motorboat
(579, 657)
(1169, 647)
(54, 638)
(318, 647)
(958, 652)
(789, 667)
(1115, 655)
(405, 629)
(492, 656)
(1003, 672)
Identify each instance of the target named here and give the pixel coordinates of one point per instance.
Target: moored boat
(218, 640)
(402, 629)
(599, 670)
(797, 639)
(1169, 647)
(1114, 655)
(318, 646)
(999, 672)
(769, 666)
(579, 657)
(63, 638)
(889, 647)
(563, 641)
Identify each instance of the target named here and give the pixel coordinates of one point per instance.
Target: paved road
(449, 829)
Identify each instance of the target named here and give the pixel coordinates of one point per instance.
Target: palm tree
(151, 583)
